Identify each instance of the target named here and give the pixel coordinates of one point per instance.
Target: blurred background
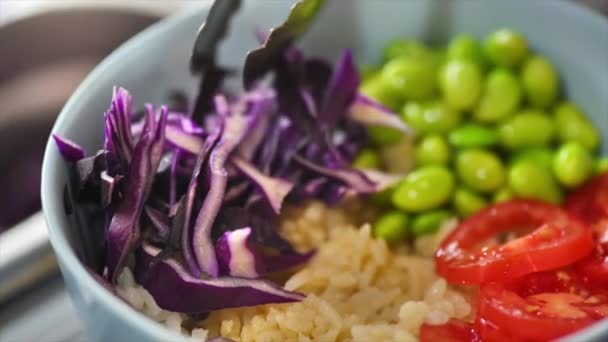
(46, 48)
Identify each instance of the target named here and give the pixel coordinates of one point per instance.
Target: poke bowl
(407, 170)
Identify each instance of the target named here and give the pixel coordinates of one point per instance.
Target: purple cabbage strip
(317, 76)
(260, 116)
(108, 129)
(351, 177)
(309, 102)
(282, 262)
(88, 169)
(367, 111)
(157, 148)
(124, 228)
(314, 186)
(382, 180)
(178, 138)
(174, 289)
(236, 191)
(341, 91)
(119, 115)
(107, 188)
(70, 151)
(237, 256)
(222, 108)
(189, 126)
(188, 204)
(159, 221)
(178, 120)
(173, 177)
(273, 189)
(234, 129)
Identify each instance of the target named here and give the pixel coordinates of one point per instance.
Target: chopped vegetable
(274, 189)
(70, 151)
(208, 196)
(540, 82)
(480, 170)
(506, 47)
(557, 240)
(461, 84)
(432, 149)
(236, 256)
(369, 112)
(124, 229)
(500, 98)
(528, 179)
(572, 164)
(430, 221)
(426, 188)
(572, 125)
(542, 306)
(392, 227)
(174, 289)
(264, 58)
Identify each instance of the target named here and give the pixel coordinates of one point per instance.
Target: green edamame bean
(466, 47)
(367, 159)
(426, 188)
(529, 180)
(467, 202)
(409, 78)
(526, 129)
(503, 195)
(473, 136)
(429, 222)
(601, 165)
(480, 170)
(572, 164)
(540, 82)
(432, 149)
(572, 125)
(506, 47)
(460, 83)
(543, 156)
(501, 96)
(406, 48)
(433, 117)
(392, 227)
(374, 88)
(382, 136)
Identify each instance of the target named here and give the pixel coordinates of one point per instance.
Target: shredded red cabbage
(175, 289)
(197, 201)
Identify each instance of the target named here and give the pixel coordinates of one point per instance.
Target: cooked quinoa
(358, 289)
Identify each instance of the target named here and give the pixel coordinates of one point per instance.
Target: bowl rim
(59, 242)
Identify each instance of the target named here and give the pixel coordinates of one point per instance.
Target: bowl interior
(154, 63)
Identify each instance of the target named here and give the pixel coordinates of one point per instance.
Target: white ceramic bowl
(156, 61)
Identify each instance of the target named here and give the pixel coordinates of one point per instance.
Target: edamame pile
(491, 124)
